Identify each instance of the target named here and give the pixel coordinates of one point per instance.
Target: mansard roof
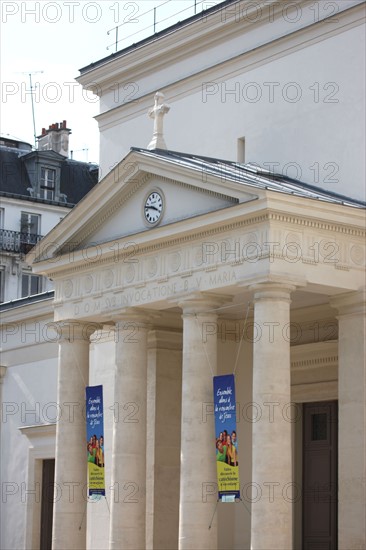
(76, 180)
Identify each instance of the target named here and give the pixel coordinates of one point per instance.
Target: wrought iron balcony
(17, 242)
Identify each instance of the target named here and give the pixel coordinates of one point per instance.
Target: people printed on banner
(231, 453)
(227, 448)
(91, 453)
(95, 449)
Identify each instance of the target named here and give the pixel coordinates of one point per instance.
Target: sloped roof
(14, 177)
(77, 178)
(251, 175)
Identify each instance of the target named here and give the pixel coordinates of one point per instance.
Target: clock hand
(151, 208)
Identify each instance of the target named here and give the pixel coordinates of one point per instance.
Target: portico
(174, 299)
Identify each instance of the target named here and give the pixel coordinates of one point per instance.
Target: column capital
(71, 330)
(202, 303)
(350, 303)
(140, 317)
(272, 291)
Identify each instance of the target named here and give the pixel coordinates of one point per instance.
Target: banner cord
(241, 500)
(105, 496)
(213, 515)
(242, 336)
(207, 357)
(78, 368)
(82, 519)
(249, 304)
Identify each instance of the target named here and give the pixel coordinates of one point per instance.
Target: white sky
(58, 38)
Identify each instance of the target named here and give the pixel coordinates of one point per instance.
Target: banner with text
(95, 439)
(226, 438)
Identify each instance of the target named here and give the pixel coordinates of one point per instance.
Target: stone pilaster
(128, 503)
(352, 420)
(69, 513)
(163, 438)
(272, 461)
(198, 465)
(2, 373)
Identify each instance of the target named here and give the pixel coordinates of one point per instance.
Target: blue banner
(227, 459)
(95, 439)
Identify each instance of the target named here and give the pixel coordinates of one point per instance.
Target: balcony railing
(18, 242)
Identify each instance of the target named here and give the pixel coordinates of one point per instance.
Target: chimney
(56, 138)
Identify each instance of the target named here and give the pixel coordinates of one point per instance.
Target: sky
(51, 41)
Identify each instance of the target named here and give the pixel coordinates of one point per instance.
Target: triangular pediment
(195, 194)
(48, 154)
(176, 201)
(118, 206)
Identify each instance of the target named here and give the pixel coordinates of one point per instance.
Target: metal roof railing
(154, 20)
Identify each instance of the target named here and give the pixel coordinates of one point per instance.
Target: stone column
(69, 512)
(272, 462)
(352, 420)
(198, 464)
(128, 500)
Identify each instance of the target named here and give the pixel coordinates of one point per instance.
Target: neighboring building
(37, 189)
(180, 265)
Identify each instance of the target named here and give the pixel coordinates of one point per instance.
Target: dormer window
(48, 181)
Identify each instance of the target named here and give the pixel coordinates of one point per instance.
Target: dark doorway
(320, 475)
(48, 484)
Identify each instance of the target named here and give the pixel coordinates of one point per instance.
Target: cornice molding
(350, 303)
(195, 232)
(28, 312)
(313, 356)
(40, 430)
(224, 70)
(317, 223)
(194, 35)
(164, 243)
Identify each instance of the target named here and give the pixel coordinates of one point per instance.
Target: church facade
(180, 266)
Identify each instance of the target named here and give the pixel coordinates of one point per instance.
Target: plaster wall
(28, 398)
(50, 215)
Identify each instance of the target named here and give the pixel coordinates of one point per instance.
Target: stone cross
(157, 113)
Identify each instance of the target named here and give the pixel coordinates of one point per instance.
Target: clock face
(153, 207)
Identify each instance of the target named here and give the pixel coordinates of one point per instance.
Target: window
(319, 426)
(48, 180)
(30, 223)
(31, 284)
